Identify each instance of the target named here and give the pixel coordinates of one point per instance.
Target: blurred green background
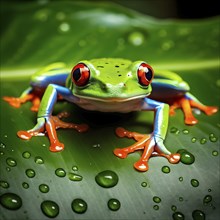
(36, 33)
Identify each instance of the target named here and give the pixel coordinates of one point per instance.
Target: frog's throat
(112, 99)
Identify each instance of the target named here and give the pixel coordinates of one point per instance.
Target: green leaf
(33, 35)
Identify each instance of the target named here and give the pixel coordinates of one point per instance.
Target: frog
(111, 85)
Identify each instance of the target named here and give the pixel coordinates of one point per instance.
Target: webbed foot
(186, 105)
(49, 125)
(16, 102)
(151, 146)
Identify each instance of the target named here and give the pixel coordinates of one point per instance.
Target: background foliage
(37, 33)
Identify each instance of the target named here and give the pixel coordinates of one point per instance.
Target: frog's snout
(116, 89)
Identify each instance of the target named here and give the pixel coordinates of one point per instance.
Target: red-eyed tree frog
(110, 85)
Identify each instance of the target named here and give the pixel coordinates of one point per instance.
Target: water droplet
(4, 184)
(178, 216)
(2, 145)
(207, 199)
(107, 178)
(74, 177)
(165, 169)
(2, 153)
(11, 201)
(64, 27)
(79, 206)
(183, 31)
(156, 199)
(215, 153)
(181, 179)
(186, 157)
(180, 199)
(82, 43)
(60, 172)
(185, 131)
(11, 162)
(42, 15)
(8, 169)
(213, 138)
(174, 130)
(209, 190)
(218, 83)
(193, 139)
(25, 185)
(194, 182)
(30, 173)
(114, 204)
(136, 38)
(75, 168)
(173, 208)
(39, 160)
(26, 155)
(203, 141)
(50, 208)
(198, 215)
(167, 45)
(60, 16)
(144, 184)
(162, 33)
(44, 188)
(156, 207)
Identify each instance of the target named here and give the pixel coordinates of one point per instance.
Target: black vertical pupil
(76, 74)
(148, 75)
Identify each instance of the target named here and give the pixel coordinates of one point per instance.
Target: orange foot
(152, 146)
(16, 102)
(49, 125)
(186, 105)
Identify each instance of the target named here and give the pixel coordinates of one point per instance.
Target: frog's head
(111, 79)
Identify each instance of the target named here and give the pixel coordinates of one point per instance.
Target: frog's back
(168, 85)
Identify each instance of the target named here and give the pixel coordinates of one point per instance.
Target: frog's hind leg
(26, 96)
(188, 102)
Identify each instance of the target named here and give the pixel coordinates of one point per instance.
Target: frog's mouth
(112, 99)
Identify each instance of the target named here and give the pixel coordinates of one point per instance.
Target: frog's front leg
(46, 123)
(152, 145)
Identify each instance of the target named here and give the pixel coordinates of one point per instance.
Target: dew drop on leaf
(207, 199)
(107, 178)
(165, 169)
(44, 188)
(198, 215)
(178, 216)
(60, 172)
(50, 208)
(26, 155)
(186, 157)
(215, 153)
(4, 184)
(79, 206)
(11, 201)
(25, 185)
(11, 162)
(114, 204)
(30, 173)
(194, 182)
(156, 199)
(74, 177)
(38, 160)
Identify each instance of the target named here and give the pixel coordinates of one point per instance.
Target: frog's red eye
(80, 74)
(145, 74)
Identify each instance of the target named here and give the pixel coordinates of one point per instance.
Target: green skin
(113, 87)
